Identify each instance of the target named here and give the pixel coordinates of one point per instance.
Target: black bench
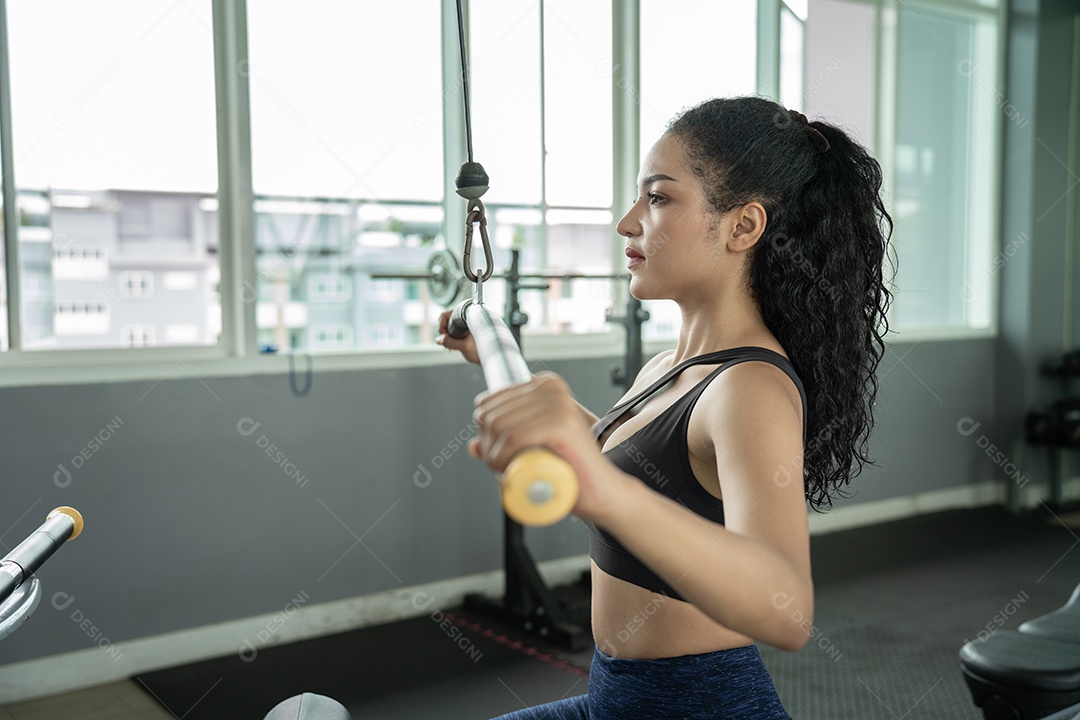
(1030, 673)
(1072, 713)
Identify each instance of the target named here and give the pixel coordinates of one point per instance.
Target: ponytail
(817, 272)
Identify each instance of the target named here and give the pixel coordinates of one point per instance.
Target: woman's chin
(640, 289)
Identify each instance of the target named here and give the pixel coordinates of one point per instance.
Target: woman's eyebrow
(653, 178)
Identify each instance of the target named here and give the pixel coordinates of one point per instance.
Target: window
(357, 132)
(718, 40)
(3, 268)
(385, 335)
(331, 337)
(945, 165)
(792, 57)
(348, 175)
(3, 298)
(138, 336)
(577, 105)
(839, 76)
(330, 288)
(115, 214)
(505, 61)
(112, 105)
(78, 321)
(138, 284)
(73, 262)
(313, 254)
(551, 159)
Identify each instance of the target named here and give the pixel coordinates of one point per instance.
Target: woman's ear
(747, 225)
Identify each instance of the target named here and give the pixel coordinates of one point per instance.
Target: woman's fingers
(543, 413)
(521, 416)
(510, 431)
(466, 345)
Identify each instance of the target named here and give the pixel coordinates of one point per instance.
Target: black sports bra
(659, 456)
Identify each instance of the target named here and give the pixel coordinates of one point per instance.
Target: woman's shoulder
(758, 386)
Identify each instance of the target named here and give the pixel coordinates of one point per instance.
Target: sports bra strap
(707, 359)
(668, 377)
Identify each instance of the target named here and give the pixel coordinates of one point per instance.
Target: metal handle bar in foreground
(19, 589)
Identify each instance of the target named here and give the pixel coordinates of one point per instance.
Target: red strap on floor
(521, 647)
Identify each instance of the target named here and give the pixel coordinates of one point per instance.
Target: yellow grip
(72, 513)
(538, 488)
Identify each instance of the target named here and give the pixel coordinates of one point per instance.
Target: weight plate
(444, 278)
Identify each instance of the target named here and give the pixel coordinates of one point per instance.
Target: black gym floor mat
(894, 604)
(437, 666)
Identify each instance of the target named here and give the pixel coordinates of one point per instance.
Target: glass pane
(504, 62)
(683, 61)
(347, 170)
(346, 99)
(572, 242)
(4, 343)
(321, 274)
(677, 35)
(933, 160)
(577, 102)
(839, 76)
(791, 60)
(114, 133)
(664, 320)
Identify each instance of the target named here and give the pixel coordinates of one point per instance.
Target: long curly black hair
(818, 271)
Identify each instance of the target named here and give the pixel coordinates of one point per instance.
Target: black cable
(309, 376)
(464, 78)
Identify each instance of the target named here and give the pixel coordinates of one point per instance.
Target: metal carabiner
(476, 215)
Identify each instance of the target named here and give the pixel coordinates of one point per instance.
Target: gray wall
(189, 522)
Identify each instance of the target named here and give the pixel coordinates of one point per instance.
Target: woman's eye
(655, 199)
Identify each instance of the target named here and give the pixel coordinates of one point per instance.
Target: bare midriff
(632, 622)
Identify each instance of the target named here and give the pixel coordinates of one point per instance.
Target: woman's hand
(543, 413)
(466, 345)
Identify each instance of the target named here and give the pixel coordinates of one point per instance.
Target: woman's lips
(636, 258)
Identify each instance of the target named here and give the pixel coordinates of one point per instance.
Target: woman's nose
(628, 225)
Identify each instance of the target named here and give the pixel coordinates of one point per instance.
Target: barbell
(446, 282)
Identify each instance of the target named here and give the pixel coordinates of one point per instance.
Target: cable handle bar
(538, 487)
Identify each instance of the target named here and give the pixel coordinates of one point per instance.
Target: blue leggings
(724, 685)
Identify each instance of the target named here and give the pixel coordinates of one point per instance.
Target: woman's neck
(721, 324)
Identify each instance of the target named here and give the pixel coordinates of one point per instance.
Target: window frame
(237, 352)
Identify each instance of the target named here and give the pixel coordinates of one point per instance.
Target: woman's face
(673, 248)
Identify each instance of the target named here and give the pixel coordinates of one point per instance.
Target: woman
(770, 234)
